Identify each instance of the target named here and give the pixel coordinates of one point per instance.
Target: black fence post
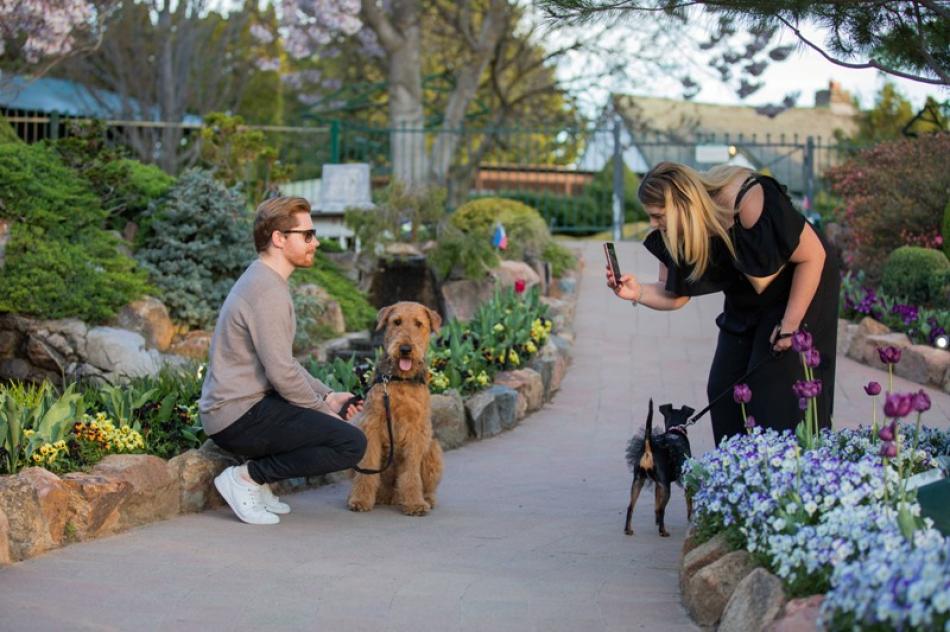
(618, 184)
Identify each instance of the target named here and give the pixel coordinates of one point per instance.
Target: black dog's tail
(640, 450)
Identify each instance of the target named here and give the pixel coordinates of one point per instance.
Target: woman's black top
(761, 250)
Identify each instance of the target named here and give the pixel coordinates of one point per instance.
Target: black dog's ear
(687, 411)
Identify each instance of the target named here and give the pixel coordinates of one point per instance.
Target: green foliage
(125, 187)
(579, 214)
(601, 192)
(887, 119)
(7, 135)
(465, 240)
(59, 261)
(945, 230)
(859, 299)
(201, 243)
(357, 312)
(31, 416)
(893, 194)
(403, 215)
(505, 333)
(917, 274)
(168, 419)
(560, 257)
(344, 376)
(241, 156)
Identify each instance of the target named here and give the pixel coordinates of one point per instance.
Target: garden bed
(41, 511)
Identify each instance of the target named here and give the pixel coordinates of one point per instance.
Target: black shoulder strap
(748, 184)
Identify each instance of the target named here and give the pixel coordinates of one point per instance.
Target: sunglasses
(308, 234)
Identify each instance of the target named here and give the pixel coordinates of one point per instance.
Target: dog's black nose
(405, 349)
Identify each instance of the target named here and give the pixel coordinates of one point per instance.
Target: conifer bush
(199, 245)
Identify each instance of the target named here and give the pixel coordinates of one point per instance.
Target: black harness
(379, 378)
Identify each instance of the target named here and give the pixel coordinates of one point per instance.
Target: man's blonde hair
(693, 216)
(276, 214)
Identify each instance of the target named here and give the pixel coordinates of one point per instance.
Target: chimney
(836, 99)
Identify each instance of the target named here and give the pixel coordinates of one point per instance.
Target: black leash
(728, 390)
(385, 380)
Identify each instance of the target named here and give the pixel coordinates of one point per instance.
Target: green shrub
(200, 244)
(60, 263)
(920, 275)
(945, 231)
(601, 192)
(357, 312)
(401, 215)
(465, 240)
(893, 194)
(563, 213)
(7, 135)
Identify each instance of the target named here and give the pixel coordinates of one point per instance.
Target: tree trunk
(406, 116)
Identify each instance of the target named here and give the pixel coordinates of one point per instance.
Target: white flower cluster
(47, 26)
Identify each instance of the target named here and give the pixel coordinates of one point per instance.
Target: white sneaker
(246, 501)
(272, 503)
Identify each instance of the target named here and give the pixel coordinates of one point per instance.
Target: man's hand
(336, 401)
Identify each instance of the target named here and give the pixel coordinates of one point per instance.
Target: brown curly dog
(417, 467)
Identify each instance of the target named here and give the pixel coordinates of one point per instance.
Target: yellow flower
(530, 348)
(514, 358)
(482, 379)
(499, 327)
(36, 458)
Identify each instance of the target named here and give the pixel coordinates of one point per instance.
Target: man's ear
(275, 239)
(435, 321)
(382, 316)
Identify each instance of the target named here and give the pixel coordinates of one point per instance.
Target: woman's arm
(653, 295)
(809, 258)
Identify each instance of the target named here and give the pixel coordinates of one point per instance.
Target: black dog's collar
(678, 430)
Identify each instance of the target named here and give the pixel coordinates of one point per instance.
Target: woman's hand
(628, 288)
(780, 344)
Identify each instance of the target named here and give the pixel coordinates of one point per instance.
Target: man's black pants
(285, 441)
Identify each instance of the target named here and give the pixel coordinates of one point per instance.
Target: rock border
(726, 590)
(40, 511)
(922, 364)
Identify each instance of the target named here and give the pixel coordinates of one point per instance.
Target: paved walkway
(528, 535)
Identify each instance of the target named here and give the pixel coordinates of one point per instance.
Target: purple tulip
(888, 449)
(873, 388)
(812, 358)
(749, 422)
(742, 393)
(921, 401)
(801, 341)
(803, 403)
(889, 355)
(898, 405)
(887, 432)
(807, 388)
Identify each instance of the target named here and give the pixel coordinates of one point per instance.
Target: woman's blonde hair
(693, 216)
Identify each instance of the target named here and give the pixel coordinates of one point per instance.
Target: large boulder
(530, 388)
(154, 493)
(121, 353)
(799, 615)
(846, 333)
(5, 557)
(148, 317)
(195, 472)
(857, 350)
(330, 314)
(757, 600)
(52, 497)
(490, 411)
(701, 556)
(462, 298)
(94, 503)
(28, 531)
(448, 419)
(709, 590)
(195, 345)
(508, 272)
(923, 364)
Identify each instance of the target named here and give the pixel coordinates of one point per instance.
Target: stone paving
(528, 535)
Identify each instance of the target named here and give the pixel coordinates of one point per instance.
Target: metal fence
(574, 176)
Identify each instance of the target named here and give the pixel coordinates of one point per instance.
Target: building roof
(669, 129)
(48, 95)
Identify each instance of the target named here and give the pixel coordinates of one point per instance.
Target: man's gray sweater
(252, 352)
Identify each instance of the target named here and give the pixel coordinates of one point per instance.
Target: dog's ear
(382, 316)
(435, 321)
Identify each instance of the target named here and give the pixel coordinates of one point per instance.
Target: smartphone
(612, 259)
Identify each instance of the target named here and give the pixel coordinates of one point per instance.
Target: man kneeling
(257, 401)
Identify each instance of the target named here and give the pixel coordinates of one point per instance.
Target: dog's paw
(359, 505)
(628, 531)
(416, 509)
(664, 533)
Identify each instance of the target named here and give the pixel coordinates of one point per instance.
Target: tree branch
(388, 35)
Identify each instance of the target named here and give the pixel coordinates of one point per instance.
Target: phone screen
(612, 259)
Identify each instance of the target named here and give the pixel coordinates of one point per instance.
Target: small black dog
(659, 458)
